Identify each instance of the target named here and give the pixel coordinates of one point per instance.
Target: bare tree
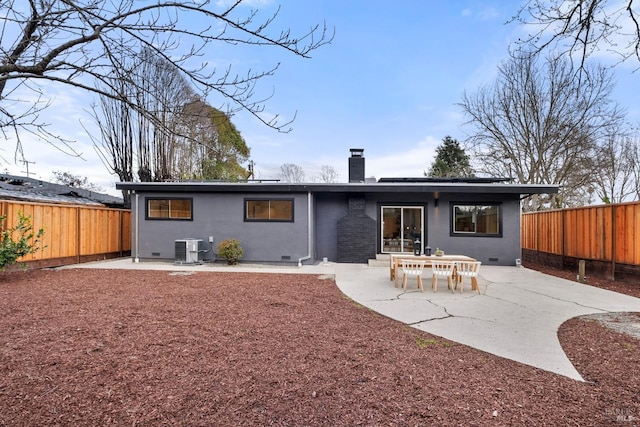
(76, 43)
(161, 89)
(140, 145)
(615, 182)
(328, 174)
(76, 181)
(290, 172)
(634, 153)
(116, 142)
(179, 136)
(578, 29)
(541, 126)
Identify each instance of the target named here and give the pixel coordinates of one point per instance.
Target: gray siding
(329, 209)
(221, 215)
(490, 250)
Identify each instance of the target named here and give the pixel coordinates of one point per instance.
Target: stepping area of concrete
(516, 315)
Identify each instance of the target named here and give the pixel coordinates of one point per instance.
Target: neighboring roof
(402, 186)
(35, 190)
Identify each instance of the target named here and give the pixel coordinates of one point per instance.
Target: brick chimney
(356, 165)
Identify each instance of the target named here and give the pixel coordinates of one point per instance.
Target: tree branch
(69, 43)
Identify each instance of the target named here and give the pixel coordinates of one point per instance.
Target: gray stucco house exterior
(303, 223)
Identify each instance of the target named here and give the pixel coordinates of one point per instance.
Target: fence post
(78, 235)
(614, 231)
(121, 232)
(5, 208)
(563, 247)
(581, 271)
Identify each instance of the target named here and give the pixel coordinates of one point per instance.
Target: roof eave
(244, 187)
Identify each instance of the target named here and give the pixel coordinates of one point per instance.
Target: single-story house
(303, 223)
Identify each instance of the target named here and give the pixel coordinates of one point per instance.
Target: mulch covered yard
(113, 347)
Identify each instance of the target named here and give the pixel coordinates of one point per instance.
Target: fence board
(72, 231)
(102, 239)
(636, 233)
(609, 233)
(626, 246)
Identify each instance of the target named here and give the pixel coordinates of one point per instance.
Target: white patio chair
(468, 269)
(443, 269)
(412, 268)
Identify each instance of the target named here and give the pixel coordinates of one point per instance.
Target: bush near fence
(607, 237)
(73, 233)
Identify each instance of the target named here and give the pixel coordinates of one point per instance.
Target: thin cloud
(487, 13)
(403, 164)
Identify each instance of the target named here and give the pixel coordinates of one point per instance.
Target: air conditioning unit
(188, 251)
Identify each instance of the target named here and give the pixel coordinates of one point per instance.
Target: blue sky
(388, 83)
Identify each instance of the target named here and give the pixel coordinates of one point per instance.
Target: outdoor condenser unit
(188, 251)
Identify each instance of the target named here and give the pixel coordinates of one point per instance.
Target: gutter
(309, 233)
(136, 232)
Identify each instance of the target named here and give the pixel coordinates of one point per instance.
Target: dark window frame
(269, 199)
(452, 222)
(148, 217)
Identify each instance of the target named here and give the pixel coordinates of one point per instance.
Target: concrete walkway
(516, 316)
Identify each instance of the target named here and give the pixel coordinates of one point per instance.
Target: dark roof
(35, 190)
(366, 187)
(473, 180)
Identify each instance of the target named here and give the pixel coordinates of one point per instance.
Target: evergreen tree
(214, 149)
(451, 161)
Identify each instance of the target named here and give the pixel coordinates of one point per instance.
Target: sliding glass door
(401, 226)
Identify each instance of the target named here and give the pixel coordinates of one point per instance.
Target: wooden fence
(607, 237)
(72, 234)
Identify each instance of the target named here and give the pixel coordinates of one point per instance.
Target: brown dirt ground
(98, 347)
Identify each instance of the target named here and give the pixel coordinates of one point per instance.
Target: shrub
(231, 250)
(18, 241)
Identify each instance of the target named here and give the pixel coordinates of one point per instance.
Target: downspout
(135, 231)
(309, 231)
